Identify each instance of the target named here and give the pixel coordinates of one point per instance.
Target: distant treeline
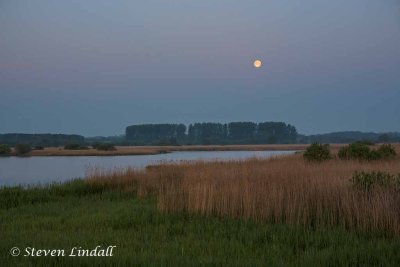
(208, 133)
(350, 137)
(45, 140)
(212, 133)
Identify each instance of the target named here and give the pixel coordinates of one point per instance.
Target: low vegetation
(104, 146)
(75, 146)
(279, 190)
(4, 150)
(386, 151)
(91, 214)
(280, 211)
(317, 152)
(361, 151)
(22, 149)
(151, 150)
(367, 181)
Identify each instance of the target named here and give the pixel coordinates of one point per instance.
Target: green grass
(76, 214)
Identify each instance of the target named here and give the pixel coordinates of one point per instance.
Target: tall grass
(278, 190)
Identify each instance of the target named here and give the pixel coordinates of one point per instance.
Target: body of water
(42, 170)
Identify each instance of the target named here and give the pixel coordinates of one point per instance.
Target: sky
(93, 67)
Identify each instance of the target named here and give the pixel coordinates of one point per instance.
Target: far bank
(152, 150)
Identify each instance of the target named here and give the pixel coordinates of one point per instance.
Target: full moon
(257, 63)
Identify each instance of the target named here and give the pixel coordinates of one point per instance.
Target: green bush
(374, 155)
(105, 147)
(4, 149)
(365, 142)
(22, 149)
(355, 151)
(365, 181)
(95, 145)
(386, 151)
(361, 151)
(39, 147)
(317, 152)
(74, 146)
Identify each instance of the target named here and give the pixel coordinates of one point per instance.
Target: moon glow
(257, 63)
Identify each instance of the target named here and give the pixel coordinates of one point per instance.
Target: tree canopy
(212, 133)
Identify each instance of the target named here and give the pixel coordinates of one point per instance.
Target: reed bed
(277, 190)
(151, 150)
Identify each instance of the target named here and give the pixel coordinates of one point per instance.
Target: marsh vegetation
(286, 190)
(280, 211)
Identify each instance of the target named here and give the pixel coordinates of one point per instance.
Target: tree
(244, 131)
(13, 139)
(206, 133)
(276, 132)
(4, 149)
(155, 133)
(22, 149)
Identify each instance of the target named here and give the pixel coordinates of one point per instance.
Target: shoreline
(154, 150)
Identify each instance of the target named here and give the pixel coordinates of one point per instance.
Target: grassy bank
(88, 215)
(151, 150)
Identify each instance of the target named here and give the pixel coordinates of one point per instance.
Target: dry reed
(277, 190)
(150, 150)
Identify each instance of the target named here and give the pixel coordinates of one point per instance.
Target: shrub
(105, 147)
(355, 151)
(95, 145)
(317, 152)
(22, 149)
(374, 155)
(74, 146)
(362, 151)
(4, 149)
(39, 147)
(365, 181)
(386, 151)
(365, 142)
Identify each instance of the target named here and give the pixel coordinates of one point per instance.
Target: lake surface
(42, 170)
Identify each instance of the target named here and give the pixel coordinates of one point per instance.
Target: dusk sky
(92, 67)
